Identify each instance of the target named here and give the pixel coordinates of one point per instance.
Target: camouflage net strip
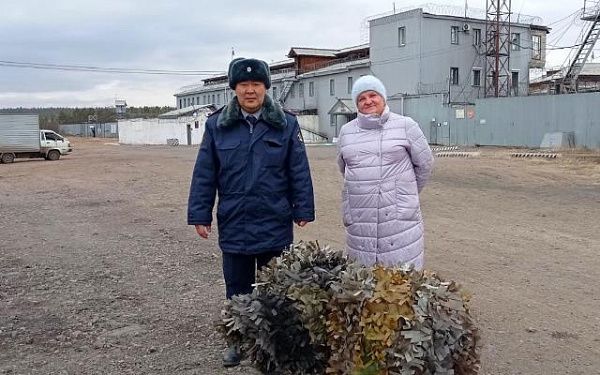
(315, 312)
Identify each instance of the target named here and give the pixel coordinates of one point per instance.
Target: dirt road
(99, 273)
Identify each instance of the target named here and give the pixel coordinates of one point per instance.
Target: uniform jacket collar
(272, 113)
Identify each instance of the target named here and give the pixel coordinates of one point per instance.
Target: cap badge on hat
(249, 69)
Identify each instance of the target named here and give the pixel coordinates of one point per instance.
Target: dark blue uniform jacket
(261, 175)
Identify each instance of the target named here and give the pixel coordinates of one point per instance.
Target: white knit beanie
(368, 83)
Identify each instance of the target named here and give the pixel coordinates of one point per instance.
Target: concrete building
(413, 52)
(418, 53)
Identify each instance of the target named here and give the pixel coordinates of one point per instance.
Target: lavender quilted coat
(386, 162)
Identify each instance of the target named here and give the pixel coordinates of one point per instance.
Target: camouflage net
(315, 312)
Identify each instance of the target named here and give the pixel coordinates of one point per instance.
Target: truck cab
(53, 145)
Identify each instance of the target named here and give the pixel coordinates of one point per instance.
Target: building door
(189, 134)
(433, 133)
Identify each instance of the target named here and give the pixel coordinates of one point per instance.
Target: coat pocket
(407, 201)
(227, 151)
(274, 152)
(346, 216)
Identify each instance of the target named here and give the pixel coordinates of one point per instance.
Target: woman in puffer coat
(386, 161)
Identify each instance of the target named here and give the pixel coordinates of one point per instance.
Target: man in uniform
(253, 156)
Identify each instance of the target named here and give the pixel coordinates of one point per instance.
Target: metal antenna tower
(591, 12)
(497, 30)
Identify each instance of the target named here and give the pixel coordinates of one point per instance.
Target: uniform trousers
(239, 270)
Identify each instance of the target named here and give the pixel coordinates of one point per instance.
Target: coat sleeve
(204, 182)
(420, 154)
(301, 188)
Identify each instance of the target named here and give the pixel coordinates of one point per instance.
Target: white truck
(21, 137)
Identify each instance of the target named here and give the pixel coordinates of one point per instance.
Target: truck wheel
(7, 158)
(53, 155)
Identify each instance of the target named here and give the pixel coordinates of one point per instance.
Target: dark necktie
(251, 119)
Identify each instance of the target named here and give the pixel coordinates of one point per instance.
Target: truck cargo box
(19, 133)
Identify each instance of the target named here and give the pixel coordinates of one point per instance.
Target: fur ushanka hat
(242, 69)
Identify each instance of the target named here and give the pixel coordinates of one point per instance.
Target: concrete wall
(524, 121)
(310, 122)
(515, 121)
(310, 125)
(158, 131)
(433, 116)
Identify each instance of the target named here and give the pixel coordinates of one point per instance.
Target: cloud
(174, 35)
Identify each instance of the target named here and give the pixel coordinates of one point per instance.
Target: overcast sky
(183, 35)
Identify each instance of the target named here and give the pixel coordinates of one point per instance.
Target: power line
(97, 69)
(566, 17)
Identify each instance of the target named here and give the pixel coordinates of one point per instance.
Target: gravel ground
(99, 273)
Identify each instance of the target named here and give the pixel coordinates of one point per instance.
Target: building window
(193, 100)
(218, 99)
(198, 100)
(213, 99)
(332, 87)
(275, 93)
(350, 83)
(180, 103)
(515, 44)
(536, 41)
(515, 83)
(454, 34)
(476, 77)
(292, 91)
(301, 90)
(332, 120)
(454, 76)
(476, 37)
(311, 89)
(401, 36)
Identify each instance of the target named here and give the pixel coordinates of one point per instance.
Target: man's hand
(301, 223)
(203, 230)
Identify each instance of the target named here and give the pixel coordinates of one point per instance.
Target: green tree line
(51, 117)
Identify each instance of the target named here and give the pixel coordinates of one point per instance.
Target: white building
(183, 126)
